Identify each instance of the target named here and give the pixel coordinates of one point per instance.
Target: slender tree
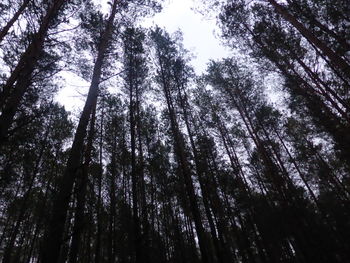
(60, 207)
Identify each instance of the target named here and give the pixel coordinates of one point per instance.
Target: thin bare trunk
(53, 240)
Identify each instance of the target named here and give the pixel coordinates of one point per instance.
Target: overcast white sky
(198, 33)
(198, 36)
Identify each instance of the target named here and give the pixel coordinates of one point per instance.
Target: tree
(166, 55)
(20, 78)
(60, 206)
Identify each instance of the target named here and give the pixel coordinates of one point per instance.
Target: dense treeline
(166, 166)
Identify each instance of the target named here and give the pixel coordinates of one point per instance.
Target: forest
(248, 162)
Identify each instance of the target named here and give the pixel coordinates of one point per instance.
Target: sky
(199, 38)
(199, 33)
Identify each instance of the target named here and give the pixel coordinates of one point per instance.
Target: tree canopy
(248, 162)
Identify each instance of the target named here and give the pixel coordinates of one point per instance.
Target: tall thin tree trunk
(113, 202)
(186, 172)
(99, 196)
(53, 240)
(23, 208)
(81, 194)
(144, 211)
(134, 173)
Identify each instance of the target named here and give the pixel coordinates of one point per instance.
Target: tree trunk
(22, 74)
(53, 240)
(9, 24)
(144, 211)
(23, 208)
(179, 147)
(99, 196)
(333, 57)
(81, 194)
